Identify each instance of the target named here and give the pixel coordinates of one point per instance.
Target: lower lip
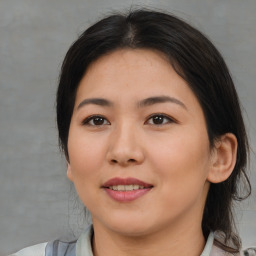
(126, 196)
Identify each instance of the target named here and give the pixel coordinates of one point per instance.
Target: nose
(125, 147)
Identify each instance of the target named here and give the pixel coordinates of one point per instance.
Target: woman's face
(138, 145)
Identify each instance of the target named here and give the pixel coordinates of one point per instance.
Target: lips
(126, 181)
(126, 189)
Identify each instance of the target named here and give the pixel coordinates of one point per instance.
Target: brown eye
(96, 121)
(159, 120)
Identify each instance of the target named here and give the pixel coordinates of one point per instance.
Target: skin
(174, 156)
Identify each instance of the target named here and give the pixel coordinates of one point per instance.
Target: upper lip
(125, 181)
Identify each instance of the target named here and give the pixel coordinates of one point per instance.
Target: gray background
(37, 203)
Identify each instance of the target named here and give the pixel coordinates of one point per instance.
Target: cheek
(86, 154)
(85, 157)
(182, 171)
(182, 161)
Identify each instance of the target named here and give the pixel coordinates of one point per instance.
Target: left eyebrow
(160, 99)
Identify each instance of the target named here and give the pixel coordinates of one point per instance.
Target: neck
(187, 241)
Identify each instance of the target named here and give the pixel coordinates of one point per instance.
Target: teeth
(120, 187)
(114, 188)
(126, 187)
(136, 186)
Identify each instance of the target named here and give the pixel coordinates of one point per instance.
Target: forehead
(137, 56)
(131, 69)
(129, 60)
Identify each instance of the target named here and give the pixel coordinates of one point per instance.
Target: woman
(155, 143)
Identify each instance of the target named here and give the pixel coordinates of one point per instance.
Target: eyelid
(170, 119)
(91, 117)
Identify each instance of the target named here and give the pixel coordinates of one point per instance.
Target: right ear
(69, 172)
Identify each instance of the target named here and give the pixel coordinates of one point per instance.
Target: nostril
(129, 161)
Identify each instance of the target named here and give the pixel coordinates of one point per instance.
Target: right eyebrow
(95, 101)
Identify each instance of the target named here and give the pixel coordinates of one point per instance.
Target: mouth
(126, 184)
(126, 189)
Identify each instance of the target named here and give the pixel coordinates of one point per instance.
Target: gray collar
(84, 248)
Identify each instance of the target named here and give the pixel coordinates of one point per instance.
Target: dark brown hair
(194, 58)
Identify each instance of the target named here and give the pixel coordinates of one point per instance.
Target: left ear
(223, 158)
(69, 172)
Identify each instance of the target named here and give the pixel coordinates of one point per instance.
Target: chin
(132, 231)
(131, 226)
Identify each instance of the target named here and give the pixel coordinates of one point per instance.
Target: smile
(126, 189)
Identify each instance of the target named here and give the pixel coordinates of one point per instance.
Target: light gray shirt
(82, 247)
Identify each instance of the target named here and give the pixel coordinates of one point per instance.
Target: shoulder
(54, 248)
(60, 248)
(35, 250)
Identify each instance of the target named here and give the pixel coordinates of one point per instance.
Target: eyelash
(159, 116)
(93, 118)
(163, 116)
